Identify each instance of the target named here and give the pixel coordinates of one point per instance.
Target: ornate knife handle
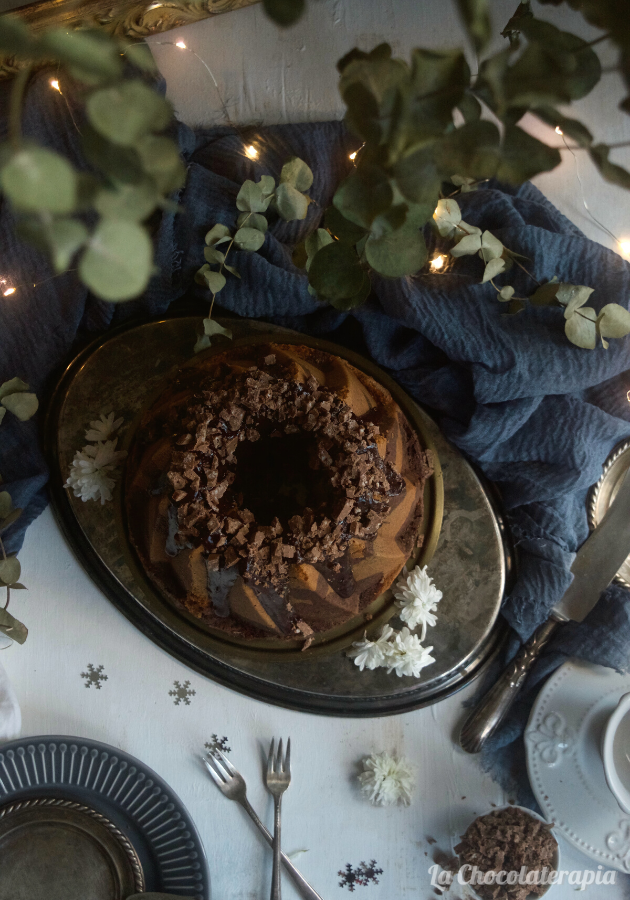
(494, 706)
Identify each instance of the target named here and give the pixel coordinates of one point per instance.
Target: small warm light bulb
(437, 262)
(353, 155)
(8, 292)
(559, 130)
(55, 84)
(624, 246)
(181, 45)
(251, 152)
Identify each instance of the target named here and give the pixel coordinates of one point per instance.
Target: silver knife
(595, 565)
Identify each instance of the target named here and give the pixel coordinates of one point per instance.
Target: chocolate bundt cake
(274, 490)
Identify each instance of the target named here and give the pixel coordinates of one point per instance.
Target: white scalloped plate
(563, 739)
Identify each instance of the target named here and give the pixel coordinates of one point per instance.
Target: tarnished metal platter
(467, 554)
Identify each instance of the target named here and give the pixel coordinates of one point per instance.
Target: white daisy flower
(93, 468)
(102, 429)
(405, 654)
(417, 598)
(371, 654)
(386, 780)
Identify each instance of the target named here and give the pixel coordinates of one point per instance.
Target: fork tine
(214, 775)
(226, 762)
(218, 768)
(287, 758)
(279, 757)
(270, 757)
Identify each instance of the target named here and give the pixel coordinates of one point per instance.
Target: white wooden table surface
(273, 76)
(72, 626)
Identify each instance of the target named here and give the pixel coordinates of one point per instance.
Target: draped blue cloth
(536, 414)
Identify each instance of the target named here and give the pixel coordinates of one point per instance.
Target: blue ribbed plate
(124, 790)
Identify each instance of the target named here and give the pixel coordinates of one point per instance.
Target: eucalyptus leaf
(613, 321)
(493, 268)
(139, 55)
(572, 296)
(571, 56)
(210, 279)
(399, 253)
(523, 156)
(16, 586)
(491, 246)
(612, 172)
(506, 293)
(253, 220)
(232, 270)
(217, 232)
(580, 328)
(127, 111)
(13, 628)
(438, 82)
(6, 504)
(335, 272)
(212, 327)
(470, 108)
(418, 177)
(284, 12)
(3, 413)
(471, 150)
(447, 217)
(267, 185)
(13, 386)
(202, 343)
(65, 238)
(469, 244)
(22, 405)
(36, 179)
(314, 243)
(161, 160)
(346, 303)
(516, 306)
(253, 197)
(545, 295)
(476, 16)
(249, 239)
(12, 517)
(120, 163)
(363, 195)
(343, 229)
(15, 37)
(296, 172)
(134, 202)
(212, 255)
(570, 127)
(10, 570)
(118, 260)
(89, 58)
(290, 203)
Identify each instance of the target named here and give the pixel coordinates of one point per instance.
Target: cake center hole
(274, 477)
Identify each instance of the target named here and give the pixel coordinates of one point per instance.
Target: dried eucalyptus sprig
(583, 325)
(288, 199)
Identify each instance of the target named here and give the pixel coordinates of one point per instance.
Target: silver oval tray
(119, 372)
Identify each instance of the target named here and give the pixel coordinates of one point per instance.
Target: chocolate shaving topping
(506, 841)
(236, 409)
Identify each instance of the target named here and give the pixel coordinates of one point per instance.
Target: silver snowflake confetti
(94, 676)
(182, 693)
(215, 744)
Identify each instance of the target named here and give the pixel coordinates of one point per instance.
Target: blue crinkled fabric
(537, 415)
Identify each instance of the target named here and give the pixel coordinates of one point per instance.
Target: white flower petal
(386, 780)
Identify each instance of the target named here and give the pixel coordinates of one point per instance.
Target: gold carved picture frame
(133, 19)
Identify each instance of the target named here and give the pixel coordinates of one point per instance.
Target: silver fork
(232, 784)
(277, 779)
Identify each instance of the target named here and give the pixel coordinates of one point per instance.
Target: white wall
(269, 75)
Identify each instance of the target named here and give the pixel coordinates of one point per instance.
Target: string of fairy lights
(439, 263)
